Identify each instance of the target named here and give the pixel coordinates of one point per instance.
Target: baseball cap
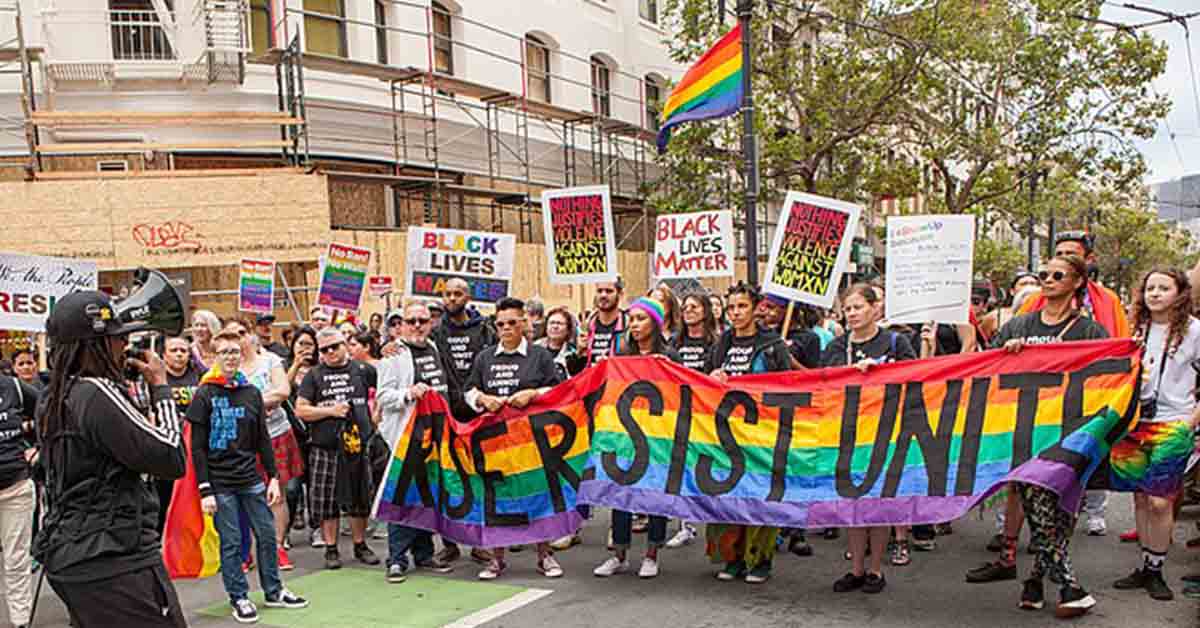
(83, 316)
(264, 319)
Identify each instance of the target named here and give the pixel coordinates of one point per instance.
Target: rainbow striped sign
(907, 443)
(256, 286)
(343, 275)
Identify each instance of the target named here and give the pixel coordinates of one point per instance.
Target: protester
(864, 345)
(803, 344)
(699, 332)
(645, 337)
(746, 551)
(95, 446)
(535, 313)
(560, 340)
(1151, 460)
(25, 367)
(318, 318)
(1023, 283)
(671, 318)
(264, 370)
(1064, 280)
(205, 325)
(513, 373)
(333, 401)
(718, 310)
(415, 369)
(463, 333)
(375, 326)
(607, 324)
(262, 328)
(303, 352)
(229, 436)
(182, 377)
(364, 347)
(18, 402)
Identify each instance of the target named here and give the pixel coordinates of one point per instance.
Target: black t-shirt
(885, 346)
(946, 340)
(427, 366)
(805, 347)
(693, 352)
(328, 386)
(502, 374)
(739, 356)
(183, 388)
(1030, 328)
(603, 339)
(229, 435)
(18, 402)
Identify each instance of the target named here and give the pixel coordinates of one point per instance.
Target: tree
(997, 261)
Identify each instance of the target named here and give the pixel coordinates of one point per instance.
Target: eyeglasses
(503, 324)
(416, 322)
(1057, 275)
(230, 353)
(331, 348)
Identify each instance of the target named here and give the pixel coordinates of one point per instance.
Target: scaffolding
(594, 148)
(17, 59)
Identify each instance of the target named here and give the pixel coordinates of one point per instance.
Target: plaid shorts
(322, 482)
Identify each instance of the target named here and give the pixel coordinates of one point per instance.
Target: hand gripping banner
(905, 443)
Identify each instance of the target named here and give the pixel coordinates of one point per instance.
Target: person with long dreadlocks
(99, 542)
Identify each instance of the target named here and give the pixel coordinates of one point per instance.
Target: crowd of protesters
(291, 432)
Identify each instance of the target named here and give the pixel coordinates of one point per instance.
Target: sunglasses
(503, 324)
(1057, 275)
(415, 322)
(330, 348)
(395, 322)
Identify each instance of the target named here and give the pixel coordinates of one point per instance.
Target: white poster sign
(699, 244)
(929, 268)
(31, 284)
(484, 260)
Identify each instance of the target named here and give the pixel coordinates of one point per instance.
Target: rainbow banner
(191, 547)
(907, 443)
(712, 88)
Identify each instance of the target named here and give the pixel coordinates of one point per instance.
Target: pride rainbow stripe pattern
(712, 88)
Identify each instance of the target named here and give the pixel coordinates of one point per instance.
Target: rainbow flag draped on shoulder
(907, 443)
(712, 88)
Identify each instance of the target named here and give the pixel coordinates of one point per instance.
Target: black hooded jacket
(461, 342)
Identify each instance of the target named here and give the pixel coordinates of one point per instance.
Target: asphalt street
(930, 592)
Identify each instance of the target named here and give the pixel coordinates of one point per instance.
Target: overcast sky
(1161, 156)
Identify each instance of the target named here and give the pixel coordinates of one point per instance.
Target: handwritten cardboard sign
(929, 268)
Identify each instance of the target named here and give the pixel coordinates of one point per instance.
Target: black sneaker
(992, 572)
(996, 543)
(244, 612)
(1033, 596)
(435, 565)
(285, 599)
(849, 582)
(332, 559)
(1073, 602)
(874, 583)
(365, 555)
(1157, 587)
(1135, 580)
(799, 546)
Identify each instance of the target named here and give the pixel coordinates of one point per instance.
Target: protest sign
(31, 284)
(929, 268)
(581, 245)
(379, 286)
(483, 260)
(256, 286)
(811, 248)
(906, 443)
(343, 275)
(692, 245)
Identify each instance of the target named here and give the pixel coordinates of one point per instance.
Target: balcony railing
(139, 36)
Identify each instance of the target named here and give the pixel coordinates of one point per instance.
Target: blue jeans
(254, 501)
(622, 530)
(401, 539)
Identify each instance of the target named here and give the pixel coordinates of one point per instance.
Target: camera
(136, 348)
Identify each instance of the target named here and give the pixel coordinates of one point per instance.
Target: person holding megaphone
(99, 543)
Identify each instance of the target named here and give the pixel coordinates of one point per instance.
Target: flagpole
(745, 10)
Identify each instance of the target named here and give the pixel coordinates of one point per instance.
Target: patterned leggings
(1050, 528)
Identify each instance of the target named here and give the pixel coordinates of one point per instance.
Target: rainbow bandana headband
(652, 308)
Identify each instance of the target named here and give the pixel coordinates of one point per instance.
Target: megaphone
(153, 306)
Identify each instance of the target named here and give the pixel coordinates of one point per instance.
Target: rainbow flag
(190, 545)
(907, 443)
(712, 88)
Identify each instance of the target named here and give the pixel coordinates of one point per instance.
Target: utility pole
(745, 10)
(1032, 224)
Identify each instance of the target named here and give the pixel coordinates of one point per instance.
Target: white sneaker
(649, 568)
(685, 536)
(1097, 526)
(611, 567)
(549, 567)
(316, 539)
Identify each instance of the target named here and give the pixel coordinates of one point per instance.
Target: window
(443, 40)
(137, 33)
(381, 32)
(601, 87)
(648, 10)
(260, 26)
(325, 35)
(653, 103)
(112, 165)
(537, 68)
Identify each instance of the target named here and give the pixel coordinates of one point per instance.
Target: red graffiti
(172, 234)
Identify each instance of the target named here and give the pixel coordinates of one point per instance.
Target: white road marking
(499, 609)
